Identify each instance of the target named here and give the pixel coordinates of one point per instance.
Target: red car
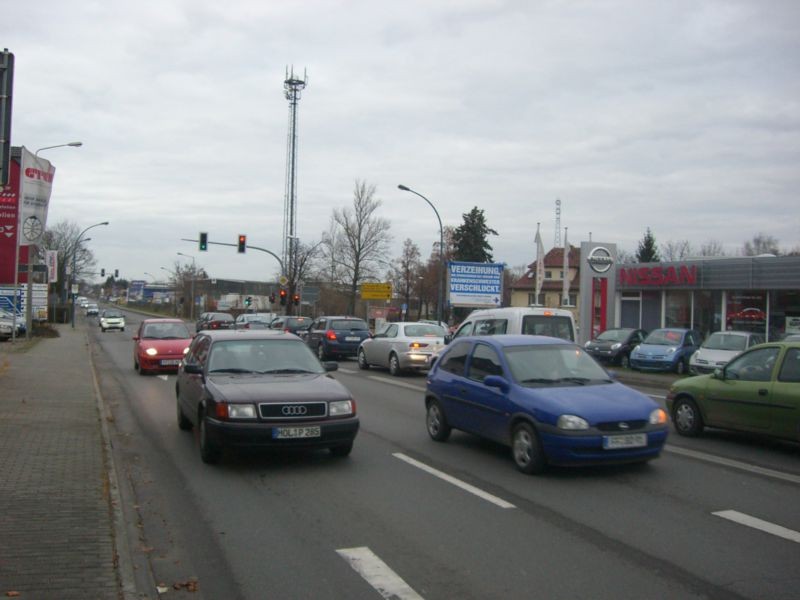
(160, 344)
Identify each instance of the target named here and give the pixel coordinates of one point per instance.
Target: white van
(530, 320)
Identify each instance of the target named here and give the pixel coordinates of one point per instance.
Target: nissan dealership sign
(600, 259)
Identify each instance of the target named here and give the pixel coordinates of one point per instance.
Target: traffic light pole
(270, 252)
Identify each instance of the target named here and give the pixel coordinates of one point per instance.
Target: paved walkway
(57, 537)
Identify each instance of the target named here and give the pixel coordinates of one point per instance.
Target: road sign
(376, 291)
(283, 280)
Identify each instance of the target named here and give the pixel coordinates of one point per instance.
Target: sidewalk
(57, 535)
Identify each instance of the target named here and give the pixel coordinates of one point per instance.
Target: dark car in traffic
(336, 337)
(614, 345)
(262, 389)
(296, 325)
(545, 398)
(214, 320)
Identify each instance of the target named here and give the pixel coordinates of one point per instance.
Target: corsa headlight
(658, 416)
(572, 423)
(186, 350)
(151, 352)
(671, 350)
(586, 345)
(341, 408)
(616, 346)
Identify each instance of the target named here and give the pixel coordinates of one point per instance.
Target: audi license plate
(171, 362)
(352, 338)
(631, 440)
(286, 433)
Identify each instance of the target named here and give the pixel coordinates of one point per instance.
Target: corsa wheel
(624, 361)
(526, 449)
(680, 368)
(687, 418)
(436, 422)
(362, 360)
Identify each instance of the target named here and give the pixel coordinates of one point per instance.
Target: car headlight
(151, 352)
(671, 350)
(636, 349)
(341, 408)
(572, 423)
(586, 345)
(241, 411)
(186, 350)
(658, 416)
(616, 346)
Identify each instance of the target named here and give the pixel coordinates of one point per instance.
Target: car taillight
(286, 330)
(213, 325)
(415, 345)
(247, 325)
(330, 334)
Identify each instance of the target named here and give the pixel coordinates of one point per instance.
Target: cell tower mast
(557, 239)
(292, 86)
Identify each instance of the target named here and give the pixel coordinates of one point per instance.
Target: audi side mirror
(192, 368)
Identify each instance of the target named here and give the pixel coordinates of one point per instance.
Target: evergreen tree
(469, 239)
(648, 251)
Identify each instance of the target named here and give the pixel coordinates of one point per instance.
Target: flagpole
(565, 289)
(539, 265)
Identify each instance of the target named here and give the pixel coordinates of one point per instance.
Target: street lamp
(194, 274)
(150, 275)
(74, 254)
(441, 251)
(73, 144)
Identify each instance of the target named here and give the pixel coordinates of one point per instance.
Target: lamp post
(73, 144)
(74, 254)
(441, 251)
(194, 274)
(150, 275)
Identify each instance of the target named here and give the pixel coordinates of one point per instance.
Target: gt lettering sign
(658, 276)
(32, 173)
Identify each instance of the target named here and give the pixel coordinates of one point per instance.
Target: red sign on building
(658, 276)
(9, 214)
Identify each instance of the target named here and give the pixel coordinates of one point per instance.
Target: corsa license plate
(631, 440)
(288, 433)
(170, 363)
(352, 338)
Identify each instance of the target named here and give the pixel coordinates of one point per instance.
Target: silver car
(401, 347)
(719, 348)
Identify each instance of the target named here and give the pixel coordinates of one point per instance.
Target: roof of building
(554, 259)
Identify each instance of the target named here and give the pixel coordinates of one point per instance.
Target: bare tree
(712, 248)
(761, 244)
(298, 269)
(360, 242)
(405, 272)
(625, 256)
(672, 251)
(63, 238)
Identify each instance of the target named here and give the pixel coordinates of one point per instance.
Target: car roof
(218, 335)
(507, 341)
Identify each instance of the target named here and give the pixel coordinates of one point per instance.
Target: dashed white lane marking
(735, 464)
(456, 482)
(378, 574)
(402, 384)
(748, 521)
(348, 371)
(164, 377)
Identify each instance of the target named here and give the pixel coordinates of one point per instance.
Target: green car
(758, 391)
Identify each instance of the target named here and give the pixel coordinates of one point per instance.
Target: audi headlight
(241, 411)
(572, 423)
(658, 416)
(616, 346)
(341, 408)
(151, 352)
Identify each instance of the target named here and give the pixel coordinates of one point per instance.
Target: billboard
(478, 285)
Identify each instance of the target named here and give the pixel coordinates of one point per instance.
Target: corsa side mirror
(496, 381)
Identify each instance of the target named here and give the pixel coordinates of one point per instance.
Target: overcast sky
(681, 116)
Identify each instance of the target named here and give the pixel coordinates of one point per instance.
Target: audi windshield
(263, 356)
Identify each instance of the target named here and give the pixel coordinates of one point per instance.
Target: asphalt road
(405, 517)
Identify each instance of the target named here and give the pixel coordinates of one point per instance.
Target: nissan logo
(600, 259)
(294, 411)
(624, 426)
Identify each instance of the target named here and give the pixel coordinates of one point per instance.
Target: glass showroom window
(678, 311)
(784, 313)
(747, 311)
(707, 312)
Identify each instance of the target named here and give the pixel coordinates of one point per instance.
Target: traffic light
(296, 299)
(203, 241)
(248, 301)
(242, 243)
(283, 297)
(116, 273)
(102, 272)
(272, 298)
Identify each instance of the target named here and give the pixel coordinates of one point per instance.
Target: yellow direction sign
(376, 291)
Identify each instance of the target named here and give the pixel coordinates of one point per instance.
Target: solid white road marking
(164, 377)
(456, 482)
(733, 464)
(378, 574)
(748, 521)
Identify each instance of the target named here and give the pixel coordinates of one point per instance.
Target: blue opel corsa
(546, 398)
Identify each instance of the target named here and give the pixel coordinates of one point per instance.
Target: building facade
(523, 291)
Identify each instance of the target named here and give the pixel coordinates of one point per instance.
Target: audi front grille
(293, 410)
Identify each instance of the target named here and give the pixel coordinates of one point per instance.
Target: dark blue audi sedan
(545, 398)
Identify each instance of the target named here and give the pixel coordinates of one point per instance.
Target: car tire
(103, 329)
(321, 352)
(436, 422)
(362, 360)
(394, 365)
(686, 417)
(184, 424)
(138, 367)
(624, 361)
(527, 450)
(122, 329)
(341, 450)
(680, 367)
(209, 451)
